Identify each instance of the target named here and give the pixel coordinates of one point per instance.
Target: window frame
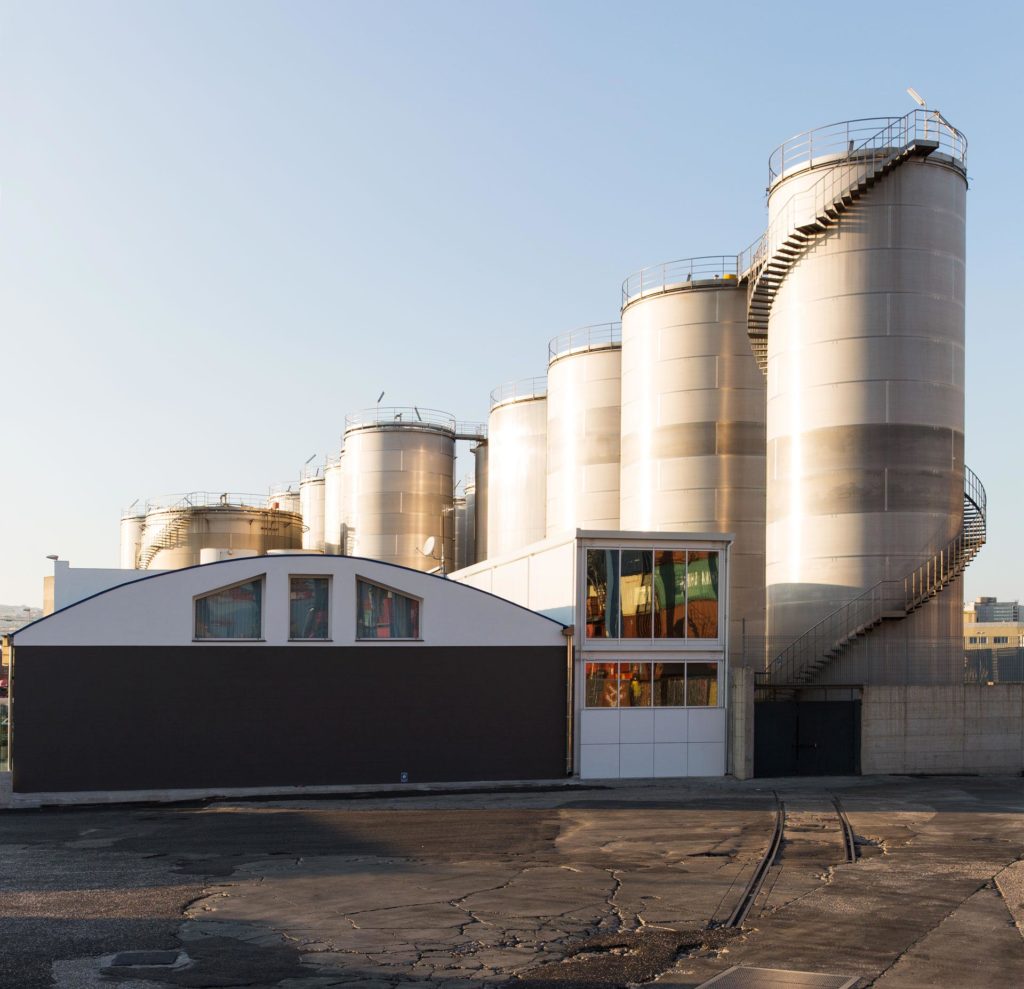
(330, 605)
(394, 590)
(688, 643)
(617, 681)
(261, 579)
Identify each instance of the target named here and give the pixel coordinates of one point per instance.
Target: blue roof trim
(288, 556)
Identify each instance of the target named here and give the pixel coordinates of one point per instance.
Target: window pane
(308, 608)
(602, 684)
(386, 614)
(634, 684)
(233, 613)
(669, 594)
(602, 593)
(702, 684)
(669, 684)
(702, 596)
(636, 587)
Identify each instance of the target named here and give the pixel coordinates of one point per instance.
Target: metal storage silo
(461, 527)
(516, 458)
(334, 511)
(285, 498)
(179, 527)
(312, 487)
(693, 433)
(480, 472)
(399, 477)
(132, 525)
(858, 286)
(584, 385)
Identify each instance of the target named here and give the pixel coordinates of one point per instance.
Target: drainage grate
(147, 959)
(777, 978)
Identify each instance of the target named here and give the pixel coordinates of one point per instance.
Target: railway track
(772, 862)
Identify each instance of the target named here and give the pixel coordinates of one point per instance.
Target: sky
(223, 226)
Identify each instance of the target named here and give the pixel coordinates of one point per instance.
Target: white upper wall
(78, 583)
(159, 610)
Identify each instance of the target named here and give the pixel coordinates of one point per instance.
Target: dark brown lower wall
(126, 718)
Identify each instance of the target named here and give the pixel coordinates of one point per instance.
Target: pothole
(148, 959)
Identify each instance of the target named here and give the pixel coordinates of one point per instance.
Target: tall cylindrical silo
(461, 527)
(334, 512)
(312, 487)
(399, 468)
(284, 498)
(865, 368)
(693, 423)
(480, 472)
(517, 453)
(132, 526)
(584, 384)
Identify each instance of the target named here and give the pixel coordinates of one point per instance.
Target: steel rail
(753, 887)
(849, 840)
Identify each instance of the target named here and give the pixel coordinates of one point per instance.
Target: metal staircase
(888, 600)
(852, 170)
(167, 538)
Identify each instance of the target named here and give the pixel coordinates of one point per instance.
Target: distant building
(994, 641)
(991, 610)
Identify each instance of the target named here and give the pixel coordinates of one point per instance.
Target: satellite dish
(428, 546)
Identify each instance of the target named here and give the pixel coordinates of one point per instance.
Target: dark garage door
(807, 738)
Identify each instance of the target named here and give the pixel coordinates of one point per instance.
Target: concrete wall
(741, 722)
(966, 728)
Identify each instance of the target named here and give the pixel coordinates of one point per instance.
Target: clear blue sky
(223, 225)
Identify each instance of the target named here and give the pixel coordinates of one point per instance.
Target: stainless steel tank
(693, 423)
(480, 470)
(179, 527)
(461, 526)
(334, 510)
(399, 478)
(285, 498)
(132, 525)
(312, 489)
(516, 458)
(584, 384)
(865, 372)
(470, 489)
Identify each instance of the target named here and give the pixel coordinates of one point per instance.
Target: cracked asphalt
(619, 885)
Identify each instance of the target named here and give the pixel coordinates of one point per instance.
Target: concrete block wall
(741, 722)
(965, 728)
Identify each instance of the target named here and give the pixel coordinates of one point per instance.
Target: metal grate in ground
(777, 978)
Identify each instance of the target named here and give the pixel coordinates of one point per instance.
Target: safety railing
(412, 415)
(310, 472)
(471, 431)
(887, 598)
(205, 499)
(839, 139)
(517, 391)
(673, 275)
(858, 161)
(600, 336)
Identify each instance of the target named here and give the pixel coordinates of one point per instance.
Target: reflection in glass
(602, 684)
(232, 613)
(634, 684)
(636, 591)
(669, 594)
(307, 618)
(702, 684)
(702, 595)
(382, 613)
(669, 684)
(602, 593)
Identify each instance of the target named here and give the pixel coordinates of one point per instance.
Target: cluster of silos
(184, 530)
(693, 422)
(865, 376)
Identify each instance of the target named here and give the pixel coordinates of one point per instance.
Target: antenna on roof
(310, 460)
(916, 96)
(379, 397)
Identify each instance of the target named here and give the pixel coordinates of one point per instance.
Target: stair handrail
(888, 595)
(898, 134)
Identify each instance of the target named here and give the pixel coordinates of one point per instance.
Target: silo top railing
(600, 336)
(518, 391)
(674, 275)
(310, 472)
(866, 133)
(412, 416)
(205, 499)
